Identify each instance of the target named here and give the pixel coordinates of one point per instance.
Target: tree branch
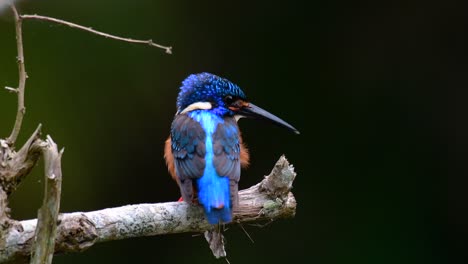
(88, 29)
(44, 247)
(79, 231)
(22, 78)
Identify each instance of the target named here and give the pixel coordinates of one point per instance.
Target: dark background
(378, 93)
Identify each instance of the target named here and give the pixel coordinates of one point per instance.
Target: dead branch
(80, 230)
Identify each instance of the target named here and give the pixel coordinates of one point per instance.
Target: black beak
(254, 111)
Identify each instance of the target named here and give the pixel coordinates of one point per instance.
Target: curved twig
(22, 78)
(102, 34)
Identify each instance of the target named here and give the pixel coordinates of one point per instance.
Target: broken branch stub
(44, 247)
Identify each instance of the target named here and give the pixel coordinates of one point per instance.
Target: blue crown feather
(205, 86)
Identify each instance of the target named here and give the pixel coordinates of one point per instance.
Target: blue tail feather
(215, 216)
(213, 194)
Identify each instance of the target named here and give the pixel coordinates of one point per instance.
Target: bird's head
(206, 91)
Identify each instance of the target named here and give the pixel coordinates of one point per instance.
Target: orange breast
(244, 154)
(170, 159)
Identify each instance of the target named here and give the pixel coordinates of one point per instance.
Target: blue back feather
(213, 189)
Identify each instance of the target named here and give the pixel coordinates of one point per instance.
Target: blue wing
(188, 149)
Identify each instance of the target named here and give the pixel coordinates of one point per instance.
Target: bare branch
(22, 78)
(88, 29)
(78, 231)
(44, 247)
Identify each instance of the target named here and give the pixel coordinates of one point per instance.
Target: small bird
(204, 152)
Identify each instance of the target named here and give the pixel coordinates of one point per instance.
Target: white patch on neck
(197, 106)
(237, 117)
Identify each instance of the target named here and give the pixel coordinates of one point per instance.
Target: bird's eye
(228, 99)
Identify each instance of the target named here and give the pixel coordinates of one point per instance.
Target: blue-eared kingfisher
(204, 152)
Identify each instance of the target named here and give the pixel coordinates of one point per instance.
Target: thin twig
(73, 25)
(22, 78)
(262, 225)
(246, 233)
